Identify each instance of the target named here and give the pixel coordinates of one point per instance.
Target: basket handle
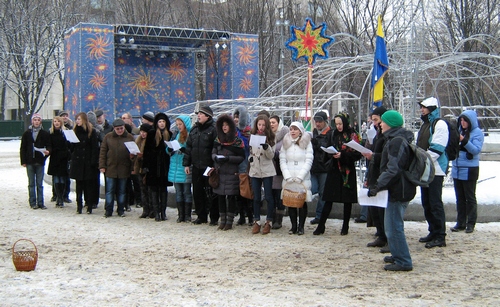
(14, 246)
(301, 183)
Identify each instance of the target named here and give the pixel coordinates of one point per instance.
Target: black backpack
(453, 146)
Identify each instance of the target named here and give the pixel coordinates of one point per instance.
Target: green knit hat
(393, 119)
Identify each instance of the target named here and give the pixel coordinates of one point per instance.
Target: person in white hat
(296, 159)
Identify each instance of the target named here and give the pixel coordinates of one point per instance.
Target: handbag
(245, 186)
(213, 178)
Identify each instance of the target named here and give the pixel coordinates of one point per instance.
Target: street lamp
(281, 23)
(217, 47)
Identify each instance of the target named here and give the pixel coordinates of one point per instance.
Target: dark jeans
(465, 192)
(395, 230)
(116, 186)
(268, 194)
(433, 208)
(35, 184)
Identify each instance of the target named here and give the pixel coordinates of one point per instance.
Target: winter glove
(250, 160)
(372, 192)
(297, 179)
(469, 156)
(183, 150)
(289, 179)
(264, 146)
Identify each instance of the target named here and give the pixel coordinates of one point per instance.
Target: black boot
(241, 210)
(347, 217)
(278, 219)
(155, 205)
(163, 204)
(222, 223)
(79, 207)
(180, 211)
(187, 211)
(322, 220)
(302, 219)
(249, 208)
(59, 189)
(292, 212)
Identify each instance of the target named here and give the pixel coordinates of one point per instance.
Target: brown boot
(267, 228)
(255, 227)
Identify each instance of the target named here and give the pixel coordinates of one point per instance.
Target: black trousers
(433, 208)
(465, 192)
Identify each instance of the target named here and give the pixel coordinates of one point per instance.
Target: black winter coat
(320, 156)
(336, 190)
(156, 161)
(28, 154)
(395, 156)
(84, 155)
(229, 180)
(60, 154)
(199, 145)
(374, 166)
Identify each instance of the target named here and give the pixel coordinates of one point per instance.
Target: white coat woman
(296, 158)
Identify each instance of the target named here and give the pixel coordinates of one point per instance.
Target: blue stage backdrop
(99, 77)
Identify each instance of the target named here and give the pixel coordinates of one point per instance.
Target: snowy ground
(87, 260)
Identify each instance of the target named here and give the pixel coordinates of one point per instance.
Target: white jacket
(296, 160)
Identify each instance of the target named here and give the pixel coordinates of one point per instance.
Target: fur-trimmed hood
(305, 139)
(243, 116)
(231, 135)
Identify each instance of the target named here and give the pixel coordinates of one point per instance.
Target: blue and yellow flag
(380, 67)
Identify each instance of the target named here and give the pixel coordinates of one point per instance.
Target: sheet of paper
(174, 145)
(330, 150)
(71, 136)
(358, 147)
(378, 201)
(132, 147)
(220, 156)
(41, 150)
(371, 133)
(207, 171)
(256, 140)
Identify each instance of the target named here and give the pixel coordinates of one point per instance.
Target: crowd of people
(273, 155)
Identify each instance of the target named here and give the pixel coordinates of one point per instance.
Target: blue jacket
(466, 166)
(176, 172)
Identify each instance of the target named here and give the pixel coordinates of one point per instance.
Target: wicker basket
(24, 260)
(294, 195)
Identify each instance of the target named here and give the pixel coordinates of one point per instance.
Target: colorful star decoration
(309, 42)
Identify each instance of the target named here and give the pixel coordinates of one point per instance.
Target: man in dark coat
(322, 135)
(35, 146)
(199, 154)
(116, 165)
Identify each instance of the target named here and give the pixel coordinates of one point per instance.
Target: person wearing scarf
(228, 153)
(155, 165)
(341, 178)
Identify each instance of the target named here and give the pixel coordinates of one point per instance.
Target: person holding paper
(140, 141)
(59, 157)
(394, 158)
(198, 156)
(341, 182)
(116, 163)
(84, 162)
(262, 171)
(33, 160)
(377, 144)
(176, 173)
(296, 159)
(156, 163)
(228, 153)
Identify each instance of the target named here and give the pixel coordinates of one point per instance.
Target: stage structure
(128, 68)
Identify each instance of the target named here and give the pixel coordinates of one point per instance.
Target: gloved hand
(250, 160)
(182, 149)
(297, 179)
(372, 192)
(289, 179)
(264, 146)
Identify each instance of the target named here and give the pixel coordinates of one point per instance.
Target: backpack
(453, 145)
(420, 168)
